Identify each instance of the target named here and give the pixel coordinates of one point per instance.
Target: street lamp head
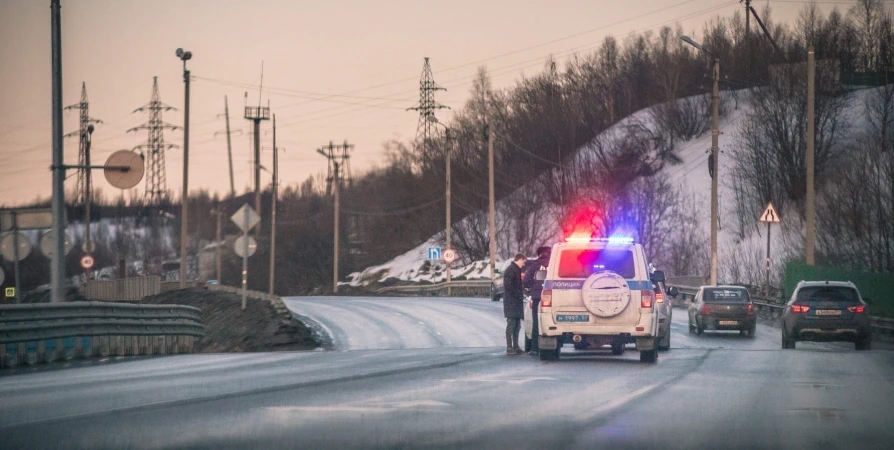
(90, 128)
(184, 55)
(689, 41)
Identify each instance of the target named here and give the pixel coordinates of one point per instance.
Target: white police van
(598, 291)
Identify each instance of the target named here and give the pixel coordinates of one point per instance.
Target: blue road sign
(434, 253)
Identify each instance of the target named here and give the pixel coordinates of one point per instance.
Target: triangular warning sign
(769, 215)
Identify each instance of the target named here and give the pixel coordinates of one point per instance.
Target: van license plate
(572, 318)
(728, 322)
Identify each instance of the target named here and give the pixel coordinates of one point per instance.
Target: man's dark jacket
(531, 283)
(513, 293)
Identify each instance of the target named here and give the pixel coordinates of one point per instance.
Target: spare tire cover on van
(606, 294)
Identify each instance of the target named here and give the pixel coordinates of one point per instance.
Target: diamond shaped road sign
(245, 215)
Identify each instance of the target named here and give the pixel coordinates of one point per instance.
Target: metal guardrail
(44, 333)
(771, 309)
(275, 300)
(462, 284)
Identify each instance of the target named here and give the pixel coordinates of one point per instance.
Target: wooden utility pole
(273, 207)
(810, 234)
(219, 245)
(229, 147)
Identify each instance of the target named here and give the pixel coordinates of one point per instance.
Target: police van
(598, 292)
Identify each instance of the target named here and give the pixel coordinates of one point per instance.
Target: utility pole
(491, 215)
(273, 207)
(229, 147)
(184, 207)
(336, 161)
(810, 234)
(448, 205)
(715, 153)
(57, 272)
(218, 252)
(88, 243)
(256, 115)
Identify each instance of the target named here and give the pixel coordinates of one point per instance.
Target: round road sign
(48, 243)
(449, 255)
(87, 261)
(239, 246)
(124, 169)
(8, 247)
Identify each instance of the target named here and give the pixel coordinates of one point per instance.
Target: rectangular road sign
(245, 212)
(434, 253)
(10, 292)
(26, 219)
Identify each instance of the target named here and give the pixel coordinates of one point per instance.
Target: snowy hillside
(691, 175)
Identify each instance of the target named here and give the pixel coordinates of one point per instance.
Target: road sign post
(769, 216)
(449, 257)
(245, 218)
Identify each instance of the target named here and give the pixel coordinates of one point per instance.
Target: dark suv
(826, 311)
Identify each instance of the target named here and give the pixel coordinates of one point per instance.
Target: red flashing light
(800, 308)
(857, 309)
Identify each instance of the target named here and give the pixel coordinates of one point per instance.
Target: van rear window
(585, 262)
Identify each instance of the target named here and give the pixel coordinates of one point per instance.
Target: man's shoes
(513, 351)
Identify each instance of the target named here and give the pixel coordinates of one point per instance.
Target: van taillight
(856, 309)
(646, 298)
(706, 310)
(659, 297)
(750, 308)
(546, 298)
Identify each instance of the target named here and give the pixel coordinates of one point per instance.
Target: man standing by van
(513, 303)
(534, 288)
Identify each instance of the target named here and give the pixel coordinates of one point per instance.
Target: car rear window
(829, 294)
(726, 295)
(583, 263)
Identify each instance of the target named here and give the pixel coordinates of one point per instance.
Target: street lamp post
(448, 226)
(715, 150)
(184, 238)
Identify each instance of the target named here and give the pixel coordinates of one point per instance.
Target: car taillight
(646, 298)
(750, 308)
(659, 297)
(546, 298)
(706, 309)
(800, 308)
(856, 309)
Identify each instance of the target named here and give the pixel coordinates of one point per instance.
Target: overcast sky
(371, 52)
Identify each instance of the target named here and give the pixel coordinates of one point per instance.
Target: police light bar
(614, 240)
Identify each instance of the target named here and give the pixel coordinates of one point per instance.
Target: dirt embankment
(230, 329)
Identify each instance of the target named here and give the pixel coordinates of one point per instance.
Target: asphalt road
(432, 373)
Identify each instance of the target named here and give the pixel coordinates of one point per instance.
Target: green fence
(878, 288)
